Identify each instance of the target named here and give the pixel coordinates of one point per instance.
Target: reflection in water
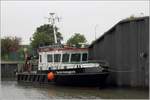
(13, 91)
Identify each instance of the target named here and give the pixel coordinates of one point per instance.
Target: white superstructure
(63, 58)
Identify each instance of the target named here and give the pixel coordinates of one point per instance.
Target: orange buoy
(50, 76)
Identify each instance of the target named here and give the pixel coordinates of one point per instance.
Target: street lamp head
(52, 14)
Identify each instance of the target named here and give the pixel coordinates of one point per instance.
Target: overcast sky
(21, 18)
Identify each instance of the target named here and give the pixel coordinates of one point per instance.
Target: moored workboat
(67, 66)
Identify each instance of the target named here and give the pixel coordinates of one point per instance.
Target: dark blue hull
(80, 77)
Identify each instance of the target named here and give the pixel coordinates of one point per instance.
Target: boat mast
(52, 19)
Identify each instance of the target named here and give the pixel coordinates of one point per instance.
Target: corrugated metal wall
(8, 70)
(126, 48)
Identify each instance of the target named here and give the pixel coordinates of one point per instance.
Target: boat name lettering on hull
(65, 72)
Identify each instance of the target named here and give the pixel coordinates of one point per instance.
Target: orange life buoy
(50, 76)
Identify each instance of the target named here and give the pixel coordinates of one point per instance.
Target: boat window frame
(86, 57)
(68, 60)
(40, 58)
(52, 59)
(74, 54)
(59, 57)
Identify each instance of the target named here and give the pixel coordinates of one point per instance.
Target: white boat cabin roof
(52, 49)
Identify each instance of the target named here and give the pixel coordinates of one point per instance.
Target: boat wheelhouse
(58, 57)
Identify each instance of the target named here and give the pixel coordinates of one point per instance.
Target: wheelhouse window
(84, 57)
(49, 58)
(40, 56)
(57, 57)
(75, 57)
(65, 58)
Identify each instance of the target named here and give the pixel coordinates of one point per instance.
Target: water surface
(11, 90)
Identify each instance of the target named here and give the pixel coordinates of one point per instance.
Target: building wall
(126, 48)
(9, 69)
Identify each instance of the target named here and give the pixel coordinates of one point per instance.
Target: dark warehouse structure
(126, 48)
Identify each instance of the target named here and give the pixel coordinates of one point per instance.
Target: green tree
(5, 45)
(8, 45)
(76, 39)
(44, 35)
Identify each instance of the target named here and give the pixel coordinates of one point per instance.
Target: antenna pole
(95, 30)
(52, 19)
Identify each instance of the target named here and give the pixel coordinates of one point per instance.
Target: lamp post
(95, 30)
(25, 59)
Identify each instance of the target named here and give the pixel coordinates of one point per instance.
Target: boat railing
(84, 64)
(101, 62)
